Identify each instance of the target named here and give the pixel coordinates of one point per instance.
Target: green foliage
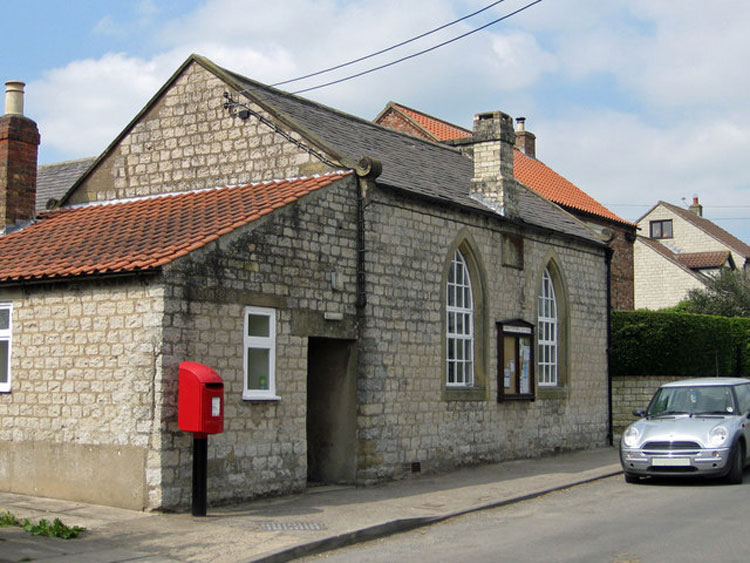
(682, 344)
(7, 520)
(55, 529)
(727, 295)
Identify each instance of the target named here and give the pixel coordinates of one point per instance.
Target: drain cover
(304, 526)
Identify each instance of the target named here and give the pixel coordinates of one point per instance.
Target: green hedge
(661, 343)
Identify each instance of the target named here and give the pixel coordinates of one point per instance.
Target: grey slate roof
(411, 164)
(416, 166)
(54, 180)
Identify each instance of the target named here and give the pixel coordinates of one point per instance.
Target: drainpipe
(367, 169)
(610, 425)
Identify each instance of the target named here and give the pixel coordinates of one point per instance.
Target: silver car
(691, 427)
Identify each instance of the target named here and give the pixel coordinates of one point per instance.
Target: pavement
(284, 528)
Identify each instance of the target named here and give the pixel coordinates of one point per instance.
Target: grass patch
(54, 529)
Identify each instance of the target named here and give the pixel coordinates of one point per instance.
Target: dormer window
(661, 229)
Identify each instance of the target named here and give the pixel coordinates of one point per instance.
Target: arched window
(548, 332)
(459, 337)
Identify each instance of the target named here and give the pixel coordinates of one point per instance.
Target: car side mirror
(642, 412)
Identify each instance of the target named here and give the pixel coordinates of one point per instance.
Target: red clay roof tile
(141, 234)
(529, 171)
(443, 130)
(548, 183)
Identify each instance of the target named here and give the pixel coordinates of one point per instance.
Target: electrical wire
(424, 51)
(391, 48)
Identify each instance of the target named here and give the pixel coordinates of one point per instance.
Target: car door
(743, 399)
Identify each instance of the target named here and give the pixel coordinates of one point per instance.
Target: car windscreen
(717, 399)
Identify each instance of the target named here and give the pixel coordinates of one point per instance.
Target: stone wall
(77, 423)
(187, 140)
(284, 261)
(633, 392)
(405, 416)
(660, 282)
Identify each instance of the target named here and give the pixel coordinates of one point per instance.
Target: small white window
(547, 332)
(459, 337)
(260, 354)
(5, 338)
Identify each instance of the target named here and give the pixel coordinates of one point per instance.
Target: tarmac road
(605, 520)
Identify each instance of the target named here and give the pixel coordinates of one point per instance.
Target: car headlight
(631, 436)
(718, 436)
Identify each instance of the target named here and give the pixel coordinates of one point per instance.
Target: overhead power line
(391, 48)
(422, 52)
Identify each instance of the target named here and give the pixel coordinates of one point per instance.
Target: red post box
(200, 400)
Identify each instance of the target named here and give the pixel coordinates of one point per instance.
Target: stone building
(534, 174)
(677, 251)
(377, 305)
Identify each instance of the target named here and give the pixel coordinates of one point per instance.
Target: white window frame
(263, 343)
(6, 335)
(459, 325)
(548, 333)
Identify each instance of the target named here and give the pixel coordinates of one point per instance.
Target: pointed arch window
(548, 332)
(459, 336)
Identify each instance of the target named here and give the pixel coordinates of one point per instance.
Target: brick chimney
(19, 140)
(696, 207)
(525, 140)
(493, 181)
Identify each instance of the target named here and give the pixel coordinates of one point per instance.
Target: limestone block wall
(633, 392)
(187, 140)
(658, 281)
(403, 415)
(285, 262)
(85, 360)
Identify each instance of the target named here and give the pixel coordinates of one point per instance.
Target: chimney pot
(696, 207)
(14, 97)
(525, 140)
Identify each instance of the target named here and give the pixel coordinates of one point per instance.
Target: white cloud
(82, 106)
(519, 57)
(634, 101)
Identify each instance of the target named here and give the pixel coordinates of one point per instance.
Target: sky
(634, 101)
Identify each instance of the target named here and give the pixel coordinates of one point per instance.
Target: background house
(376, 304)
(533, 173)
(676, 250)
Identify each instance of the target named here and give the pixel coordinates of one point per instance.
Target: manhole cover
(296, 526)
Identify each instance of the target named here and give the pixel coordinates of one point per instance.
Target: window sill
(256, 398)
(516, 397)
(556, 392)
(464, 394)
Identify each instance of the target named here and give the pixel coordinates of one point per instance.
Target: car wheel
(630, 478)
(736, 464)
